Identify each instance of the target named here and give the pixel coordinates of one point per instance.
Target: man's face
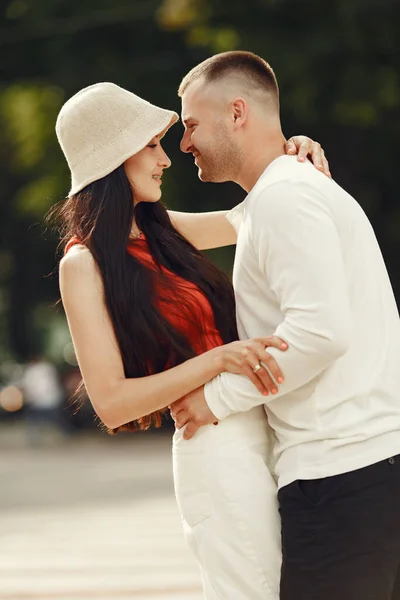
(208, 133)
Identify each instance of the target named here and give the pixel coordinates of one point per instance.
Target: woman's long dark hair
(101, 217)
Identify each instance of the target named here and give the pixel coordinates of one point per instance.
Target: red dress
(181, 302)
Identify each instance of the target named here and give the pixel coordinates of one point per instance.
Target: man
(309, 270)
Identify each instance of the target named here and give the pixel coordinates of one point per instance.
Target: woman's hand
(304, 146)
(249, 357)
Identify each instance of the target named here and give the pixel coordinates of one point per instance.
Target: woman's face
(144, 171)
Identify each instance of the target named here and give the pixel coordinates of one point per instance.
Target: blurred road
(93, 518)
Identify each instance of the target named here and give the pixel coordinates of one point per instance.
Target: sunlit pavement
(91, 518)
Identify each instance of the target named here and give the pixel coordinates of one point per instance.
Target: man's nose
(185, 143)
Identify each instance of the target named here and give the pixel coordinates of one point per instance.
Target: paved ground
(91, 519)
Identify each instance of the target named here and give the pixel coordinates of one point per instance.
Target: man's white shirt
(308, 269)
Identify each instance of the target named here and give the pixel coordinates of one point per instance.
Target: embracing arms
(117, 399)
(297, 242)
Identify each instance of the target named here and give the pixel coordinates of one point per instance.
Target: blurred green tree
(338, 68)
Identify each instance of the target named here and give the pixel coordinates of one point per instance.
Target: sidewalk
(93, 518)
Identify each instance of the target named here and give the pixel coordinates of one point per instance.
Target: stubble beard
(221, 159)
(220, 163)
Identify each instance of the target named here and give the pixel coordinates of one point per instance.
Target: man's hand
(192, 410)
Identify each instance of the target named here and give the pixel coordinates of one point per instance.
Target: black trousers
(341, 535)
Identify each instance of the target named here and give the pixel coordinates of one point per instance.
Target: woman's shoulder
(78, 261)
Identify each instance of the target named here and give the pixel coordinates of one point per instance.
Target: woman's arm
(116, 399)
(212, 229)
(205, 230)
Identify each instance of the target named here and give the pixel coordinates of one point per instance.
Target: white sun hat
(102, 126)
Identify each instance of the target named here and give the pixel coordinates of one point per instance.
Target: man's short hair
(253, 70)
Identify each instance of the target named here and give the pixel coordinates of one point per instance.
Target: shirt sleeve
(235, 216)
(296, 240)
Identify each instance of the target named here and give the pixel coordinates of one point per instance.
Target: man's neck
(259, 154)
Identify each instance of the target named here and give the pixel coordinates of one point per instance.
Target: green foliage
(337, 64)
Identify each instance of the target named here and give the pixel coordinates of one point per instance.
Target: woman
(151, 320)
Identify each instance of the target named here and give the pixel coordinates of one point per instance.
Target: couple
(153, 324)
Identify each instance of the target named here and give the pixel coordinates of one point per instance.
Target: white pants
(228, 502)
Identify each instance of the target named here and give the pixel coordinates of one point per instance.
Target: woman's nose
(165, 161)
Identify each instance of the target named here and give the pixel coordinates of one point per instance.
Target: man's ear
(239, 111)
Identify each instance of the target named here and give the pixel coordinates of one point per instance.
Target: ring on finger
(257, 368)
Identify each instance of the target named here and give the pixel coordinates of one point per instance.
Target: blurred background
(64, 482)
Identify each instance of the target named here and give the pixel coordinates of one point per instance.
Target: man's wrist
(213, 400)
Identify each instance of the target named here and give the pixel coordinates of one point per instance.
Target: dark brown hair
(100, 217)
(256, 73)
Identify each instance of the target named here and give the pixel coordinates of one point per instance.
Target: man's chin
(202, 176)
(207, 177)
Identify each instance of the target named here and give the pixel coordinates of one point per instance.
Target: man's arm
(299, 253)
